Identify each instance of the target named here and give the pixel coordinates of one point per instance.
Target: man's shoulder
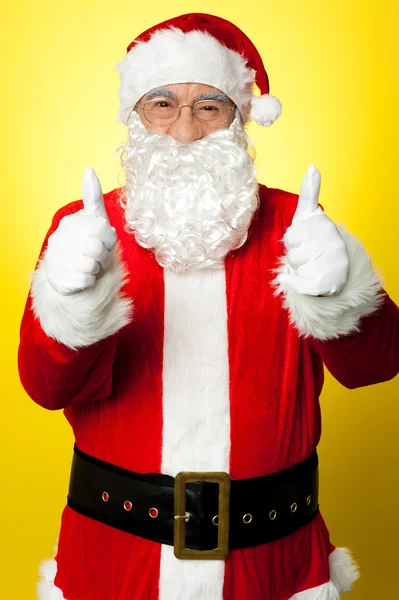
(276, 203)
(113, 203)
(280, 199)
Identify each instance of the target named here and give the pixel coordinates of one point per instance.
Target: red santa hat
(197, 48)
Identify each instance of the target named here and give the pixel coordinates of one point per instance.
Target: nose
(187, 128)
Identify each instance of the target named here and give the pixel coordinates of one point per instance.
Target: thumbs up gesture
(317, 262)
(80, 250)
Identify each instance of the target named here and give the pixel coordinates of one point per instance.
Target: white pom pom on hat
(265, 109)
(197, 48)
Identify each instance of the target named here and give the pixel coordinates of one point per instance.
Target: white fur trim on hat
(85, 318)
(265, 109)
(331, 317)
(171, 56)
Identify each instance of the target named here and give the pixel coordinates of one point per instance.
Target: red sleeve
(54, 375)
(369, 356)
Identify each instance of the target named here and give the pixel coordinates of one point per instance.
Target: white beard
(190, 203)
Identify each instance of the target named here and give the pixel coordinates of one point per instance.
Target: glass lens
(209, 111)
(161, 110)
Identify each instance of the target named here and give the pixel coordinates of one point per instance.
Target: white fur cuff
(331, 317)
(85, 318)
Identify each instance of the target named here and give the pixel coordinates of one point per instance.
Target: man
(182, 324)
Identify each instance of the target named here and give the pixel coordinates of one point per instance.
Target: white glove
(318, 262)
(80, 249)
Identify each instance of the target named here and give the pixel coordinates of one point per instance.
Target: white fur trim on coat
(45, 588)
(171, 56)
(85, 318)
(195, 408)
(330, 317)
(343, 573)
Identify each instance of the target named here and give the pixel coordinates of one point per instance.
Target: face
(189, 203)
(187, 128)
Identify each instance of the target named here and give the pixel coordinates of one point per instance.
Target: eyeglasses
(164, 111)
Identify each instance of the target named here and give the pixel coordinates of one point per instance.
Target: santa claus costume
(206, 364)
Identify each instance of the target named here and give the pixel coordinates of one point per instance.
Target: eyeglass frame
(180, 106)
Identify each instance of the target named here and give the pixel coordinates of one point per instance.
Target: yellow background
(334, 66)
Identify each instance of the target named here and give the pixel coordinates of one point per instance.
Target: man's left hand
(317, 259)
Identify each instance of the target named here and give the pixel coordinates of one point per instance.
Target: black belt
(207, 515)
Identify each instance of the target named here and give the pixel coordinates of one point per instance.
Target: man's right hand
(80, 249)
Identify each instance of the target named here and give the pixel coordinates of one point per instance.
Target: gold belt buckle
(181, 517)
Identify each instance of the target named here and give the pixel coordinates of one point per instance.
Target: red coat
(209, 375)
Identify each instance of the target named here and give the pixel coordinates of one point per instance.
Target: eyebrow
(160, 91)
(212, 96)
(164, 92)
